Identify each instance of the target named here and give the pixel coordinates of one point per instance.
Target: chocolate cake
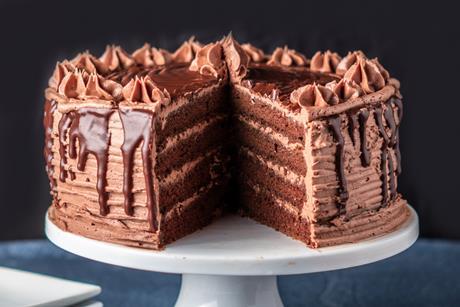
(142, 149)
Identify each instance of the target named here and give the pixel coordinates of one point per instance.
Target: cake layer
(192, 143)
(183, 113)
(265, 142)
(260, 110)
(258, 171)
(264, 207)
(209, 169)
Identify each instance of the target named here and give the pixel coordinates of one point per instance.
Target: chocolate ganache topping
(187, 51)
(137, 114)
(324, 62)
(237, 58)
(208, 60)
(314, 95)
(255, 54)
(287, 57)
(115, 57)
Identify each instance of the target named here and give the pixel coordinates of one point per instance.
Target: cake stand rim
(314, 260)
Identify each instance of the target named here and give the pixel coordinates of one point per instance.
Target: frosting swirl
(367, 74)
(187, 51)
(62, 68)
(89, 63)
(255, 54)
(314, 95)
(148, 56)
(115, 57)
(143, 90)
(79, 84)
(73, 84)
(287, 57)
(324, 62)
(208, 60)
(237, 58)
(345, 89)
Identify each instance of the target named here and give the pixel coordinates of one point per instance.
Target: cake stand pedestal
(234, 262)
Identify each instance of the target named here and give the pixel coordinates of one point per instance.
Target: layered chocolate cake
(142, 149)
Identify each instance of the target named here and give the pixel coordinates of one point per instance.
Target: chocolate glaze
(176, 78)
(352, 124)
(48, 119)
(335, 124)
(90, 127)
(137, 127)
(265, 78)
(365, 153)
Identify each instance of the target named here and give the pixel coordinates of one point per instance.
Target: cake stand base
(234, 262)
(228, 291)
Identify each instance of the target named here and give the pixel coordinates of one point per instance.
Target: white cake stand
(234, 262)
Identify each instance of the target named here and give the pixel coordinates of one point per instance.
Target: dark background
(418, 43)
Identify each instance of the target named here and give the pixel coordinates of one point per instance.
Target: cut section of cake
(318, 148)
(142, 149)
(138, 147)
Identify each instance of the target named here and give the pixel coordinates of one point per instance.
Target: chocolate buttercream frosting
(345, 89)
(187, 51)
(287, 57)
(314, 95)
(89, 63)
(143, 89)
(62, 68)
(208, 60)
(255, 54)
(324, 62)
(115, 58)
(237, 58)
(367, 74)
(148, 56)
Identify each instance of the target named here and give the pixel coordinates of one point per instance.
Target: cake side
(149, 182)
(328, 123)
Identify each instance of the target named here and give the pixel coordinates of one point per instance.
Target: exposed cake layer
(266, 208)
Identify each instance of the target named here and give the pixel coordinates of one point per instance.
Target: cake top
(324, 85)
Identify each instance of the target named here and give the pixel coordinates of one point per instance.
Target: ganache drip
(50, 107)
(335, 125)
(365, 153)
(90, 127)
(352, 124)
(386, 159)
(137, 127)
